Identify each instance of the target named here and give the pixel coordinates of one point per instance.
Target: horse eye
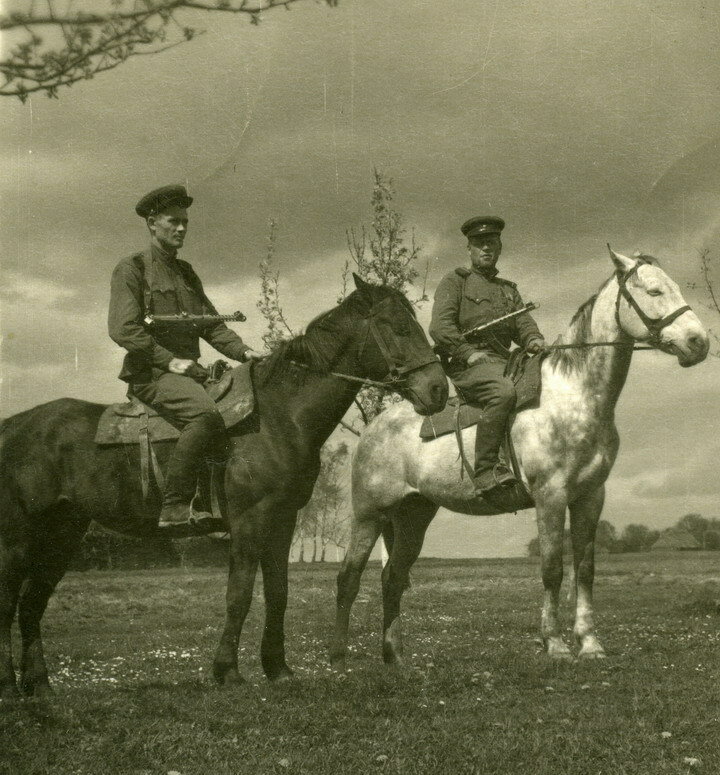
(654, 292)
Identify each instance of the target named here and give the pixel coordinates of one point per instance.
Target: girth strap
(145, 448)
(148, 458)
(461, 446)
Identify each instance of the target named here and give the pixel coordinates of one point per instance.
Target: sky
(579, 123)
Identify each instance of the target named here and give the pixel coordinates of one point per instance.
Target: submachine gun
(185, 317)
(197, 372)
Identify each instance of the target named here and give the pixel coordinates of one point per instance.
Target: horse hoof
(594, 654)
(558, 651)
(37, 691)
(590, 648)
(225, 675)
(282, 676)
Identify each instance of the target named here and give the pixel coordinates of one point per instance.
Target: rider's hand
(180, 365)
(253, 355)
(476, 358)
(535, 346)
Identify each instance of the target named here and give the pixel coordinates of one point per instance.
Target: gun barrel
(237, 317)
(484, 326)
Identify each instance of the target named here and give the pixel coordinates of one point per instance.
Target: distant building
(675, 540)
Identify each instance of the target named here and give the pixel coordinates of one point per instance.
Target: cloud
(695, 474)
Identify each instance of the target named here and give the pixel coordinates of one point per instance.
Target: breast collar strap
(653, 325)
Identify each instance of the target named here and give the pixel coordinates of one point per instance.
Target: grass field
(130, 655)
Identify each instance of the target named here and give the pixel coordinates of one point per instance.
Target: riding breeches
(185, 404)
(484, 385)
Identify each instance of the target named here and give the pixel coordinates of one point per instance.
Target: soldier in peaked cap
(161, 362)
(468, 297)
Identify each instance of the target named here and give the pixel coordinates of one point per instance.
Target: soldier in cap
(161, 361)
(468, 297)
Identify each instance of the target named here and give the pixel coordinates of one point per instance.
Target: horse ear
(360, 284)
(623, 264)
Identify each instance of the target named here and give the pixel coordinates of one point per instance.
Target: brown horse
(54, 479)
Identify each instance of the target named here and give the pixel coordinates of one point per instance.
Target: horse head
(393, 347)
(651, 308)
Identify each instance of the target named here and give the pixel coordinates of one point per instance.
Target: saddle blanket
(122, 423)
(524, 372)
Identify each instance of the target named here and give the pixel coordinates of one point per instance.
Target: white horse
(565, 447)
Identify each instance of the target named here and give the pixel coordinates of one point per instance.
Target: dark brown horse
(54, 479)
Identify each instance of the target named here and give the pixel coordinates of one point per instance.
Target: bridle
(387, 342)
(398, 369)
(653, 325)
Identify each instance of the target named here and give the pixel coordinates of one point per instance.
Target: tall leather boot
(489, 471)
(215, 460)
(196, 439)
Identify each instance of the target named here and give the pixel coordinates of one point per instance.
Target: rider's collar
(162, 255)
(488, 274)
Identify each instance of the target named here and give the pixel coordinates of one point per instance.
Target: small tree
(55, 46)
(709, 285)
(382, 254)
(278, 329)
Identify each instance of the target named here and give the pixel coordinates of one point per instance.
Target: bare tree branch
(77, 46)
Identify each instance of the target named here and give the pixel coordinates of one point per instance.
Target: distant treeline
(640, 538)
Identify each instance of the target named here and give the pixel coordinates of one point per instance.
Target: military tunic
(174, 288)
(467, 298)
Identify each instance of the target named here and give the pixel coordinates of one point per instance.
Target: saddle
(232, 391)
(524, 370)
(135, 423)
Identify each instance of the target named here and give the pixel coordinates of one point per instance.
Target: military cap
(482, 224)
(161, 198)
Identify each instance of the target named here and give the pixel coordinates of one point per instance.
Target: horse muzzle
(690, 349)
(427, 389)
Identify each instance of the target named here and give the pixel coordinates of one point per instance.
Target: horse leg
(551, 524)
(584, 516)
(410, 522)
(363, 537)
(274, 564)
(48, 564)
(244, 558)
(13, 569)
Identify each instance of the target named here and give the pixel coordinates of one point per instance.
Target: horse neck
(311, 408)
(599, 373)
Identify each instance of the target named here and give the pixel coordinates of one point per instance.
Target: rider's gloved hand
(180, 365)
(189, 368)
(535, 346)
(253, 355)
(477, 357)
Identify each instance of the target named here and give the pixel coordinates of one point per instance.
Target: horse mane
(579, 329)
(319, 346)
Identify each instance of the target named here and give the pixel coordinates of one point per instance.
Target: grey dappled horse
(566, 448)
